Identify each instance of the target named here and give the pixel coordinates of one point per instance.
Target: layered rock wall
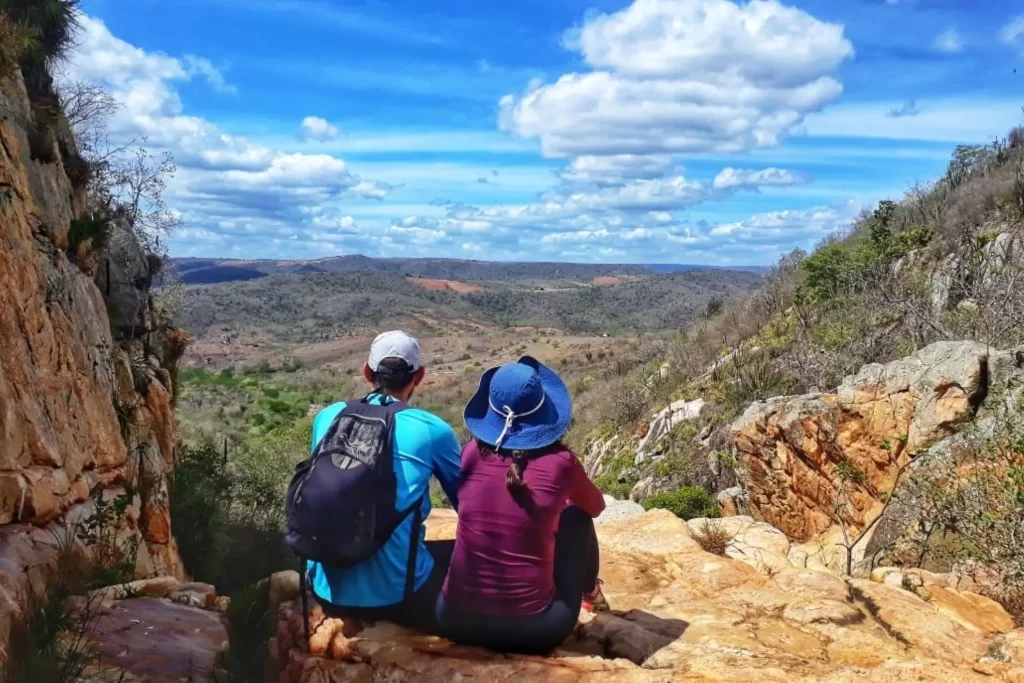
(797, 453)
(80, 411)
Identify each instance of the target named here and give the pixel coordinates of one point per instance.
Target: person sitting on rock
(526, 555)
(401, 580)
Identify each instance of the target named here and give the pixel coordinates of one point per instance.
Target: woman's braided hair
(514, 477)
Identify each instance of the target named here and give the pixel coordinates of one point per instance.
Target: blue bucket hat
(520, 406)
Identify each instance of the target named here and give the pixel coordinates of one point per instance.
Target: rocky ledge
(680, 613)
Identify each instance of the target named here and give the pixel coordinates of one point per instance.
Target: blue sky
(685, 131)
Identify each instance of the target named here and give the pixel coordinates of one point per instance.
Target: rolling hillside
(316, 306)
(213, 271)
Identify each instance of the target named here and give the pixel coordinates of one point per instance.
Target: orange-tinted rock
(791, 447)
(12, 496)
(164, 426)
(60, 436)
(679, 614)
(156, 523)
(41, 501)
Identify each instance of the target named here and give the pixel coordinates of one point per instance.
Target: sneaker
(594, 601)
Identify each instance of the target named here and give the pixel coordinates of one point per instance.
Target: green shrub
(689, 502)
(200, 501)
(251, 625)
(52, 24)
(15, 42)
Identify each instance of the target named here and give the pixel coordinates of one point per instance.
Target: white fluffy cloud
(672, 76)
(731, 178)
(226, 185)
(950, 41)
(613, 169)
(316, 128)
(782, 226)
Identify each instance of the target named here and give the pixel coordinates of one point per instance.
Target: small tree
(851, 475)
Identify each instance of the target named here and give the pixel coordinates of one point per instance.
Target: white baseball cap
(395, 344)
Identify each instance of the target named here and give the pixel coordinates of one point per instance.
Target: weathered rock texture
(76, 414)
(168, 632)
(791, 448)
(683, 614)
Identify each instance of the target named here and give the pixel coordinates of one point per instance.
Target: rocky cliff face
(82, 413)
(880, 423)
(680, 613)
(791, 448)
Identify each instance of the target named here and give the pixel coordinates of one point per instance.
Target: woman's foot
(594, 600)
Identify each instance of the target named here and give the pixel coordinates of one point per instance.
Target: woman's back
(503, 563)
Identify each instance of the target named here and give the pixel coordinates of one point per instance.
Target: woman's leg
(419, 610)
(576, 567)
(533, 635)
(577, 557)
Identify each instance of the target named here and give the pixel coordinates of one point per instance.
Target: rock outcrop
(81, 412)
(793, 450)
(680, 613)
(167, 632)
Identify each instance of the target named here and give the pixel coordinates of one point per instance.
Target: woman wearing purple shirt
(526, 555)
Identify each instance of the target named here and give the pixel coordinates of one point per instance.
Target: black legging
(577, 561)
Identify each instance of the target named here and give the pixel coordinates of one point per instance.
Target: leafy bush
(15, 41)
(90, 227)
(200, 505)
(689, 502)
(52, 24)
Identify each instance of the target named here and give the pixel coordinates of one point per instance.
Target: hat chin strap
(511, 415)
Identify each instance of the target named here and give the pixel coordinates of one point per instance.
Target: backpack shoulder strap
(414, 546)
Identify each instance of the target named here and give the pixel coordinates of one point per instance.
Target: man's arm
(448, 463)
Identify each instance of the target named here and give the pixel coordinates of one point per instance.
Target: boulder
(791, 448)
(618, 510)
(665, 421)
(757, 544)
(153, 640)
(201, 595)
(730, 501)
(679, 613)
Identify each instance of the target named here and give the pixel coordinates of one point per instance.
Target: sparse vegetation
(712, 537)
(689, 502)
(50, 643)
(969, 501)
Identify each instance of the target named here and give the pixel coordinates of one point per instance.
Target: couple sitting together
(525, 558)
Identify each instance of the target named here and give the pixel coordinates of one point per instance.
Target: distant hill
(212, 271)
(301, 307)
(681, 267)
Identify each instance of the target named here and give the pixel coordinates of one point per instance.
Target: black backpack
(341, 500)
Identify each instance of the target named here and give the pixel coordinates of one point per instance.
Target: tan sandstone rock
(760, 545)
(60, 434)
(679, 614)
(790, 447)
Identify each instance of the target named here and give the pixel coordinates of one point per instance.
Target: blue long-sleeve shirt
(424, 446)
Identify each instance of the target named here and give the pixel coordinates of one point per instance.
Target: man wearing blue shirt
(424, 446)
